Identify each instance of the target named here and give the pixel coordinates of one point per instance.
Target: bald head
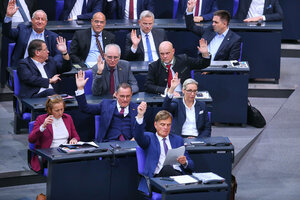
(166, 52)
(98, 22)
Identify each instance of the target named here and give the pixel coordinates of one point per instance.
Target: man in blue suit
(190, 116)
(25, 33)
(81, 10)
(257, 10)
(223, 44)
(156, 146)
(204, 10)
(117, 116)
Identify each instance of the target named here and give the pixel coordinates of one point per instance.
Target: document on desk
(173, 154)
(209, 177)
(184, 179)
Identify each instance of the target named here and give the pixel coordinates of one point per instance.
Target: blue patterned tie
(21, 10)
(165, 146)
(149, 48)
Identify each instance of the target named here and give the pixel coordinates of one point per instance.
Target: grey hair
(112, 45)
(146, 13)
(33, 15)
(189, 81)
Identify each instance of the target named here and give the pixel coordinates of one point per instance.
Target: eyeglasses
(112, 57)
(191, 91)
(55, 97)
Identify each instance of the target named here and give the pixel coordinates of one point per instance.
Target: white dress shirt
(17, 17)
(126, 109)
(256, 9)
(179, 87)
(189, 127)
(77, 9)
(126, 15)
(200, 8)
(60, 132)
(40, 67)
(215, 44)
(94, 52)
(34, 35)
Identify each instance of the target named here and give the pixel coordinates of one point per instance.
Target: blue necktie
(149, 48)
(84, 9)
(165, 146)
(21, 10)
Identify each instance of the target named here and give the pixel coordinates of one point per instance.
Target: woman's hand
(73, 141)
(47, 121)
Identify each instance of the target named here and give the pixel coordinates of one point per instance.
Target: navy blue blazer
(119, 6)
(92, 7)
(150, 144)
(21, 35)
(31, 80)
(105, 109)
(177, 108)
(272, 10)
(230, 48)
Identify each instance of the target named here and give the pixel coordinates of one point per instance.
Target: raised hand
(134, 39)
(54, 79)
(47, 121)
(191, 5)
(80, 80)
(100, 64)
(174, 83)
(141, 109)
(203, 47)
(11, 8)
(61, 44)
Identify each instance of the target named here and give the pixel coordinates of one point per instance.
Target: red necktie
(197, 8)
(170, 76)
(131, 9)
(112, 81)
(99, 46)
(121, 137)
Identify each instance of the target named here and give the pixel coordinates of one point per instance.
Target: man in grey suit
(142, 44)
(109, 73)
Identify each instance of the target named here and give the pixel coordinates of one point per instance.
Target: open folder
(80, 147)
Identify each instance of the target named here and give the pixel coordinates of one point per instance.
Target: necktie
(197, 8)
(112, 82)
(122, 112)
(165, 146)
(175, 8)
(121, 137)
(131, 9)
(21, 10)
(170, 76)
(84, 8)
(149, 48)
(99, 46)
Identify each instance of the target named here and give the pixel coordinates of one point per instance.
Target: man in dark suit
(254, 10)
(162, 71)
(142, 44)
(108, 74)
(80, 10)
(204, 10)
(157, 145)
(39, 73)
(128, 9)
(117, 116)
(25, 33)
(223, 43)
(190, 115)
(88, 44)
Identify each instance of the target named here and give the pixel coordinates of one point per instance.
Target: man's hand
(181, 160)
(191, 5)
(203, 48)
(61, 45)
(80, 80)
(54, 79)
(100, 64)
(198, 19)
(174, 83)
(254, 19)
(134, 39)
(141, 109)
(11, 8)
(73, 141)
(47, 121)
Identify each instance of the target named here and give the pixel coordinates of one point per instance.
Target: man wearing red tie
(161, 72)
(204, 10)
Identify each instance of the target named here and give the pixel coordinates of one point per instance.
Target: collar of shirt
(37, 35)
(223, 34)
(161, 138)
(94, 33)
(37, 62)
(172, 63)
(126, 109)
(144, 34)
(193, 106)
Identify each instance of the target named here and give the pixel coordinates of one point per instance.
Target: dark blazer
(178, 110)
(101, 83)
(21, 35)
(159, 36)
(150, 144)
(43, 140)
(106, 110)
(272, 10)
(81, 43)
(157, 77)
(92, 7)
(229, 49)
(31, 79)
(31, 5)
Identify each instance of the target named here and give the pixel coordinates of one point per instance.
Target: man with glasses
(39, 73)
(117, 116)
(190, 117)
(88, 44)
(110, 72)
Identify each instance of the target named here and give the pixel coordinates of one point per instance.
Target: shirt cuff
(139, 120)
(79, 92)
(170, 95)
(7, 19)
(264, 18)
(189, 13)
(133, 49)
(42, 129)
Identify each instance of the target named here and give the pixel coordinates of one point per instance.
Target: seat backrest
(97, 126)
(30, 127)
(68, 44)
(241, 52)
(11, 47)
(235, 7)
(88, 85)
(140, 156)
(59, 8)
(16, 83)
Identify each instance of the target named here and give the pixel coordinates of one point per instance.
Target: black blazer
(81, 43)
(229, 49)
(92, 7)
(31, 79)
(272, 10)
(159, 36)
(157, 77)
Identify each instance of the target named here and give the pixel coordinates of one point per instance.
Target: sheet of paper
(184, 179)
(173, 154)
(90, 143)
